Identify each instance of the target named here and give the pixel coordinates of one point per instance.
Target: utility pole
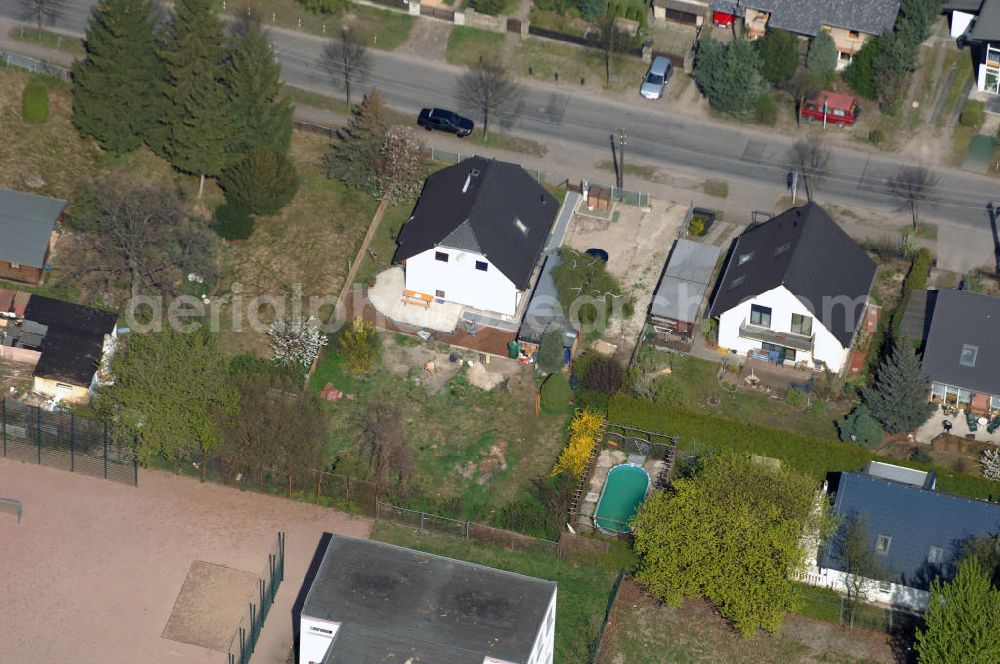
(622, 142)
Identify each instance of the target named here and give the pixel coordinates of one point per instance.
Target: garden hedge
(815, 456)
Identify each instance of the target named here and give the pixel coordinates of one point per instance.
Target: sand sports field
(94, 570)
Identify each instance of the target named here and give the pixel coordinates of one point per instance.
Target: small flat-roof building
(27, 234)
(545, 313)
(677, 302)
(372, 602)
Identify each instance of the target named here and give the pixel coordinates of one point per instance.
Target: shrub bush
(555, 393)
(860, 427)
(765, 110)
(582, 437)
(704, 432)
(822, 56)
(860, 74)
(796, 397)
(359, 346)
(262, 182)
(973, 114)
(669, 391)
(604, 374)
(232, 222)
(35, 102)
(697, 226)
(550, 352)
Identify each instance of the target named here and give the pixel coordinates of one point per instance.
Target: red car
(831, 107)
(723, 20)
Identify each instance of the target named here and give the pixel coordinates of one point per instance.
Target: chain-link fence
(39, 67)
(63, 440)
(245, 640)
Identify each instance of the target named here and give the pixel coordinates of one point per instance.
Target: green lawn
(508, 142)
(639, 170)
(543, 59)
(467, 45)
(582, 596)
(382, 29)
(717, 188)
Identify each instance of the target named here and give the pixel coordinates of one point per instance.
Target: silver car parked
(656, 78)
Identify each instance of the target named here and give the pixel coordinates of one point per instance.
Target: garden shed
(677, 302)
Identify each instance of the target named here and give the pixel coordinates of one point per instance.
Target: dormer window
(969, 353)
(882, 543)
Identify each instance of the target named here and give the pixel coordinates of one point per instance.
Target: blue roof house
(916, 533)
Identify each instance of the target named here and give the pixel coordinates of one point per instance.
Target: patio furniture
(946, 425)
(970, 419)
(994, 425)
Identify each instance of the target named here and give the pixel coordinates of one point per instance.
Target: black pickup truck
(438, 118)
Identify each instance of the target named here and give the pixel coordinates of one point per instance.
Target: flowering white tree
(296, 340)
(398, 172)
(991, 463)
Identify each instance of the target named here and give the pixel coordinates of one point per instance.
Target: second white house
(794, 290)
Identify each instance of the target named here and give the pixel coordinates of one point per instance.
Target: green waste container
(513, 350)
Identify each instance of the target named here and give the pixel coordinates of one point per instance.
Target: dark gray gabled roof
(26, 225)
(807, 17)
(74, 339)
(968, 6)
(478, 205)
(685, 280)
(986, 27)
(804, 250)
(963, 318)
(916, 519)
(392, 599)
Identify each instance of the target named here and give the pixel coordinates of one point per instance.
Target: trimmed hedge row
(815, 456)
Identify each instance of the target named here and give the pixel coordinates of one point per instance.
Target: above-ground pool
(624, 490)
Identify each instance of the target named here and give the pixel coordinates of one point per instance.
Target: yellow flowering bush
(583, 432)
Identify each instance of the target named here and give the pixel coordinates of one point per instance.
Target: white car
(657, 77)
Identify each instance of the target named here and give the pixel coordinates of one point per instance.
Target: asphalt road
(549, 114)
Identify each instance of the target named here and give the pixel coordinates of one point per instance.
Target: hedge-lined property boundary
(815, 456)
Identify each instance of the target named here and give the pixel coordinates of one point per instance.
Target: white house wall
(783, 304)
(315, 637)
(960, 23)
(544, 648)
(461, 282)
(895, 594)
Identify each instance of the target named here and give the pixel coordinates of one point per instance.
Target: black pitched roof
(960, 319)
(916, 519)
(807, 17)
(74, 342)
(393, 601)
(474, 206)
(806, 251)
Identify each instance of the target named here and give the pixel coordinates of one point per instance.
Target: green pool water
(624, 490)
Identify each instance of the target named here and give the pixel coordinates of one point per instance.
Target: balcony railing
(801, 342)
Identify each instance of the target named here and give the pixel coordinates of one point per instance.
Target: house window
(968, 358)
(737, 282)
(936, 555)
(844, 56)
(802, 324)
(760, 315)
(15, 266)
(746, 258)
(882, 544)
(784, 353)
(854, 34)
(884, 586)
(482, 266)
(995, 401)
(439, 293)
(782, 248)
(441, 256)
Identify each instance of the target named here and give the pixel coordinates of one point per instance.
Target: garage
(685, 12)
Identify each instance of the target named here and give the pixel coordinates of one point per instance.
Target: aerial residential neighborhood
(499, 331)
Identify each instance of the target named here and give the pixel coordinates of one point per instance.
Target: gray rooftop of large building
(26, 224)
(685, 280)
(807, 17)
(963, 346)
(389, 600)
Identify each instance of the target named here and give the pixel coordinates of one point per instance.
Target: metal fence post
(105, 450)
(4, 405)
(72, 460)
(38, 432)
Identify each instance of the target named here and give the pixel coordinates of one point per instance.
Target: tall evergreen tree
(779, 54)
(111, 100)
(358, 146)
(729, 76)
(199, 131)
(961, 619)
(898, 399)
(260, 118)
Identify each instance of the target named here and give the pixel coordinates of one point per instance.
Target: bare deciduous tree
(137, 236)
(382, 439)
(811, 157)
(861, 567)
(490, 88)
(42, 10)
(914, 185)
(346, 60)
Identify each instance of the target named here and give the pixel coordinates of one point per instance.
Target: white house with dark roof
(961, 353)
(794, 290)
(476, 235)
(976, 23)
(915, 532)
(373, 603)
(850, 23)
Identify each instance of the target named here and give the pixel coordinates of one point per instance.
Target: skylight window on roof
(936, 555)
(520, 226)
(969, 353)
(782, 248)
(746, 258)
(737, 282)
(882, 543)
